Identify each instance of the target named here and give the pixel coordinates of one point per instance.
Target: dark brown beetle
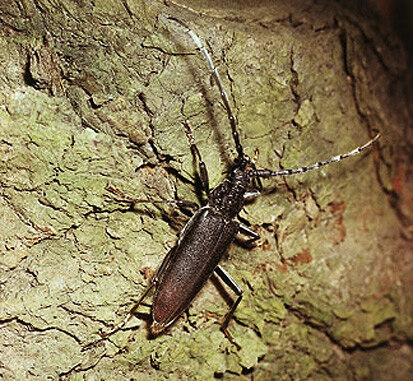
(211, 230)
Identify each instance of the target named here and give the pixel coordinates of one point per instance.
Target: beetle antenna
(266, 173)
(217, 79)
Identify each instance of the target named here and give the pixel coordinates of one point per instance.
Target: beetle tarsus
(230, 337)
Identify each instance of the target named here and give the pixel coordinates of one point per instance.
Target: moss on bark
(95, 94)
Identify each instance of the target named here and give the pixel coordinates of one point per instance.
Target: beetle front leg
(227, 279)
(203, 172)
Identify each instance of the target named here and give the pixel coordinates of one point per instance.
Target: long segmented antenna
(265, 173)
(217, 79)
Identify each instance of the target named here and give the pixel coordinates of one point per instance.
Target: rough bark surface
(95, 93)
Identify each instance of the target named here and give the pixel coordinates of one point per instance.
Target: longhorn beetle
(208, 234)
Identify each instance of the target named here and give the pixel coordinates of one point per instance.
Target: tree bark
(95, 95)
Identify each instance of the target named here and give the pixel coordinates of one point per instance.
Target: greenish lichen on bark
(95, 95)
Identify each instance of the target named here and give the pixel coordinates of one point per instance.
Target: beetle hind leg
(132, 312)
(119, 326)
(227, 279)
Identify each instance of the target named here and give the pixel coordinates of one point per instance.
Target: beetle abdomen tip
(157, 327)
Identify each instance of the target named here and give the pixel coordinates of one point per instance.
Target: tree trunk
(95, 94)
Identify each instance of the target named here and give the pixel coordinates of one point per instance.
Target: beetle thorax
(228, 197)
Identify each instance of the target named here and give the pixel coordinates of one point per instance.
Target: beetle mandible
(208, 234)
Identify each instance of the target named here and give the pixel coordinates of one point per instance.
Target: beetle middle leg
(227, 279)
(250, 233)
(125, 198)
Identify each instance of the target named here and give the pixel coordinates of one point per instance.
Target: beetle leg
(227, 279)
(119, 326)
(185, 203)
(251, 233)
(203, 172)
(124, 197)
(251, 195)
(217, 78)
(132, 312)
